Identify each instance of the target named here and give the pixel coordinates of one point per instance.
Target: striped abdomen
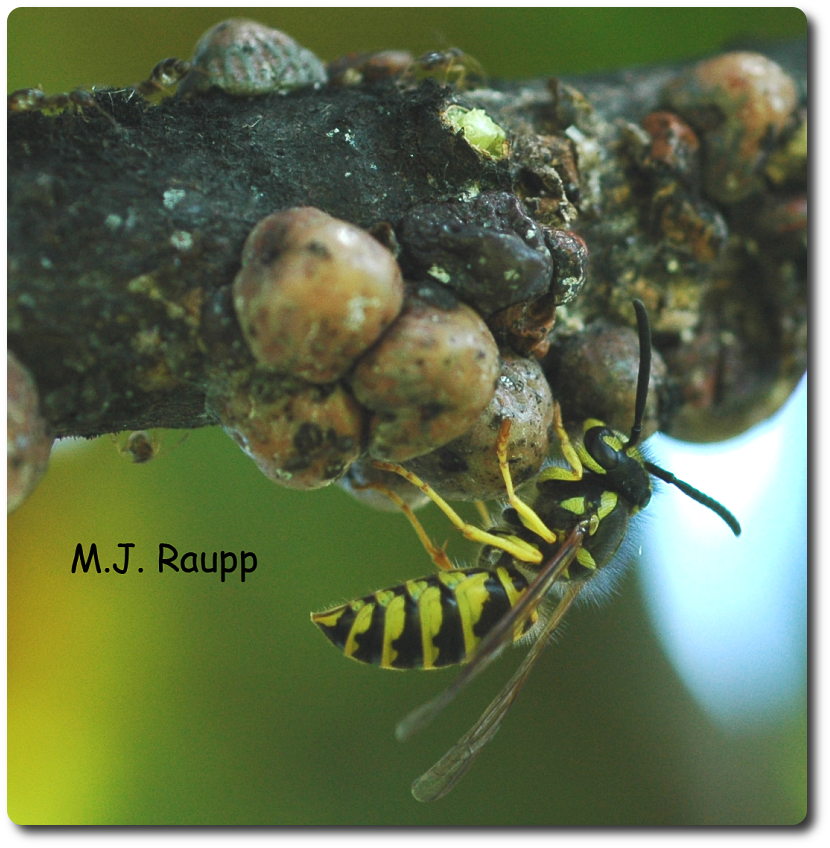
(427, 623)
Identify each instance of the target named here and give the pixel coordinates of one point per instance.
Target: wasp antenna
(696, 495)
(644, 331)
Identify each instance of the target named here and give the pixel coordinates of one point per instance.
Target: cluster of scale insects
(568, 541)
(449, 67)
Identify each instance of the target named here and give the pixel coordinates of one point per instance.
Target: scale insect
(142, 446)
(532, 567)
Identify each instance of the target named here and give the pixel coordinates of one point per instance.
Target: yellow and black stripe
(427, 623)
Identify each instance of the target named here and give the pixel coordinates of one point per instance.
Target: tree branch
(127, 221)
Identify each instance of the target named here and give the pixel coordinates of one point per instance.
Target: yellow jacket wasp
(552, 550)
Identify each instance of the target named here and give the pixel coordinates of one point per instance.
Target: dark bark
(126, 225)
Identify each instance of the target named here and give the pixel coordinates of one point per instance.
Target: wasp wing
(442, 777)
(500, 635)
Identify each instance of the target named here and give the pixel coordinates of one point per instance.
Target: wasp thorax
(243, 57)
(314, 293)
(304, 438)
(28, 443)
(740, 104)
(428, 378)
(468, 467)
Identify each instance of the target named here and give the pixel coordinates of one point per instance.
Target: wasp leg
(528, 517)
(441, 560)
(485, 515)
(516, 547)
(568, 451)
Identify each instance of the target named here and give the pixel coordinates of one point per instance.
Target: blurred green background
(176, 699)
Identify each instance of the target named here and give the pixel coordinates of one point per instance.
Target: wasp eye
(604, 455)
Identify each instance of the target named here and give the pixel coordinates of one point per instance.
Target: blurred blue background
(176, 699)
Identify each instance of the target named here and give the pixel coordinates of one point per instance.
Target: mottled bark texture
(127, 222)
